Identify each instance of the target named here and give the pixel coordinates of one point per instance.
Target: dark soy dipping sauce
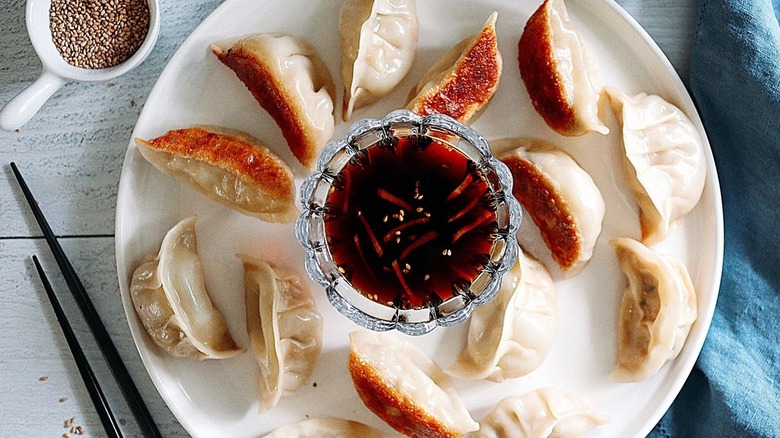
(410, 221)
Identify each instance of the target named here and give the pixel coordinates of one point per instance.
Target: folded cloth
(734, 390)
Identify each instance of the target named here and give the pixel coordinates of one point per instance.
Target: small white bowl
(56, 71)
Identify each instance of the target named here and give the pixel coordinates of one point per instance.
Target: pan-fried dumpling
(229, 166)
(560, 197)
(404, 388)
(284, 327)
(656, 313)
(289, 80)
(545, 412)
(325, 428)
(378, 40)
(511, 336)
(558, 72)
(664, 160)
(461, 82)
(169, 295)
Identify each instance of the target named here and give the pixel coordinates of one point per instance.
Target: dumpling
(656, 313)
(664, 160)
(511, 336)
(461, 82)
(558, 72)
(290, 81)
(284, 327)
(560, 197)
(325, 428)
(404, 388)
(229, 166)
(378, 40)
(545, 412)
(169, 295)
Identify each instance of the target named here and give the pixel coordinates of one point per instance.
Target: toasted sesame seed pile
(98, 33)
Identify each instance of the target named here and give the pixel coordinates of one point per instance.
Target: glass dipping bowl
(418, 319)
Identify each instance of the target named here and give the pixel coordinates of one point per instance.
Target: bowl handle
(23, 107)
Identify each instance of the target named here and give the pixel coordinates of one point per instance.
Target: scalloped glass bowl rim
(320, 265)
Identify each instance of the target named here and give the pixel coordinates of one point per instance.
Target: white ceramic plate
(219, 398)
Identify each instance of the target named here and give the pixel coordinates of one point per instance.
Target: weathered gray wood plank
(671, 24)
(34, 347)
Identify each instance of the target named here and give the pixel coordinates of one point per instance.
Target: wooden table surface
(71, 155)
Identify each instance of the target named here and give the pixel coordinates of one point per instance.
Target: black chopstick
(110, 353)
(93, 387)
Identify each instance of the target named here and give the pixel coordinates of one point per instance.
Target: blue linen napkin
(734, 390)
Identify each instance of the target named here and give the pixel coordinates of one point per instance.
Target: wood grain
(33, 345)
(671, 24)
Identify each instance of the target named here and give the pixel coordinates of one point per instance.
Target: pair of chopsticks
(106, 345)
